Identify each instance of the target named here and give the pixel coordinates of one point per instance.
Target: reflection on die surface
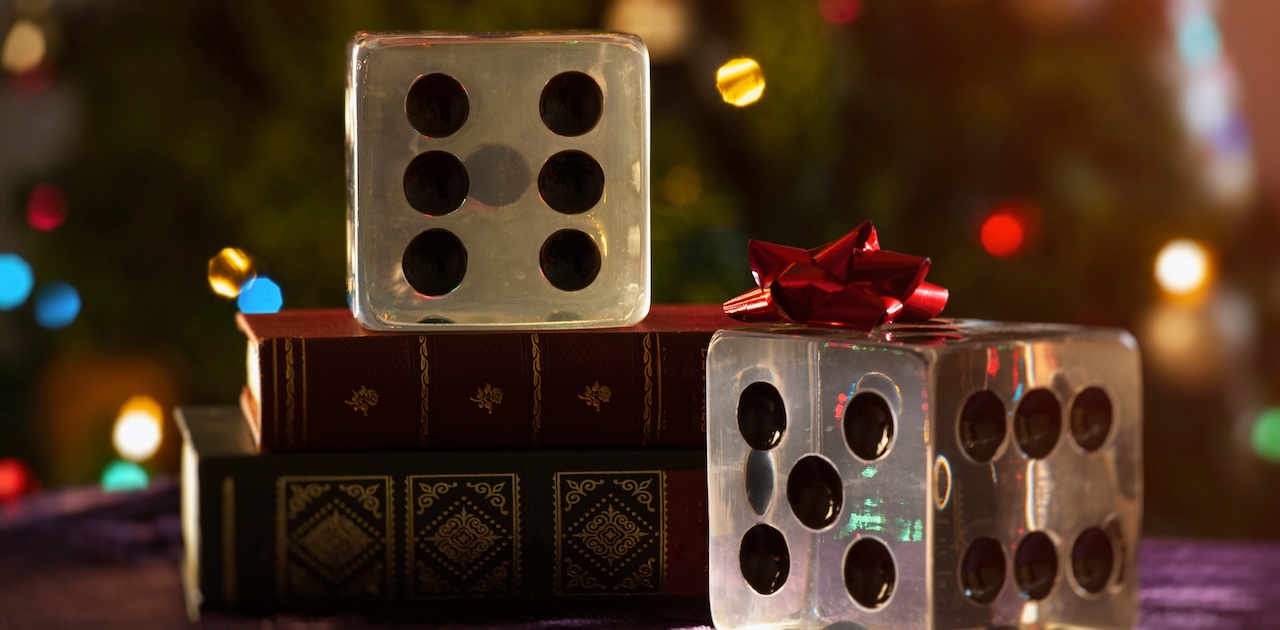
(953, 474)
(498, 181)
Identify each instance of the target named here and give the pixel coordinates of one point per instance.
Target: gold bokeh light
(740, 81)
(1182, 267)
(229, 271)
(24, 47)
(137, 431)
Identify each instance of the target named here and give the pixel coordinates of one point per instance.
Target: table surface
(79, 557)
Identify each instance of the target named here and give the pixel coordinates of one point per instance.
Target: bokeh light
(121, 476)
(15, 281)
(57, 305)
(24, 47)
(46, 207)
(1265, 435)
(1003, 234)
(260, 295)
(1198, 39)
(137, 431)
(665, 25)
(229, 270)
(682, 185)
(839, 11)
(1182, 267)
(1197, 345)
(740, 81)
(14, 479)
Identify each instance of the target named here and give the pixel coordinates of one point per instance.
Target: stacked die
(498, 181)
(955, 474)
(497, 188)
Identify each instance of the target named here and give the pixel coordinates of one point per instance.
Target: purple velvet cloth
(79, 558)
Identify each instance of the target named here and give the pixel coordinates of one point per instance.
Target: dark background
(175, 129)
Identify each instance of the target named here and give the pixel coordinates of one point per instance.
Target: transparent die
(955, 474)
(498, 181)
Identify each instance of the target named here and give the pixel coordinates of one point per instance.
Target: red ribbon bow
(850, 283)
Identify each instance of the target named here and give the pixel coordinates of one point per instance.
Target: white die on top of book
(498, 180)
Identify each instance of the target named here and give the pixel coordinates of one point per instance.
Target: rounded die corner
(720, 337)
(639, 313)
(366, 315)
(362, 44)
(632, 42)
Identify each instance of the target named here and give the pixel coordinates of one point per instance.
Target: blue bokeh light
(15, 281)
(57, 305)
(1198, 39)
(122, 476)
(260, 295)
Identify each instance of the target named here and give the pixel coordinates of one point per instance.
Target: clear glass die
(955, 474)
(498, 180)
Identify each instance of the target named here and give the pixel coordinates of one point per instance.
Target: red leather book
(318, 381)
(437, 531)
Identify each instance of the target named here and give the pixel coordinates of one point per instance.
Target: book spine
(492, 390)
(345, 531)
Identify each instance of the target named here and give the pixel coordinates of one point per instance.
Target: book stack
(437, 470)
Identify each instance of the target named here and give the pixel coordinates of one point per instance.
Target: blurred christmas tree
(1033, 148)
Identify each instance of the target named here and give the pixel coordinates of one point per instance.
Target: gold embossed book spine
(350, 531)
(319, 382)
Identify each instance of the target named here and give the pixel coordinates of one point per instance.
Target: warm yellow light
(664, 25)
(740, 81)
(682, 185)
(1182, 267)
(229, 270)
(137, 432)
(24, 48)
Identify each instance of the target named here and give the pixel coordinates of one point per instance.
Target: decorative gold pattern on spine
(330, 532)
(577, 490)
(515, 518)
(430, 492)
(463, 536)
(662, 532)
(609, 542)
(486, 397)
(422, 414)
(493, 493)
(229, 541)
(555, 510)
(363, 400)
(648, 391)
(537, 391)
(288, 390)
(409, 541)
(596, 395)
(638, 489)
(366, 495)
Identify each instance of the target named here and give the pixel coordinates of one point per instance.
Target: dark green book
(443, 531)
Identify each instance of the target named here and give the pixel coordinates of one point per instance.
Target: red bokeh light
(839, 11)
(46, 207)
(1008, 228)
(14, 479)
(1002, 234)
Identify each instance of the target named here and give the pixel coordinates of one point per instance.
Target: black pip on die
(954, 474)
(498, 181)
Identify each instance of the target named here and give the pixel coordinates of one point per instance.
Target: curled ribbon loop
(850, 283)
